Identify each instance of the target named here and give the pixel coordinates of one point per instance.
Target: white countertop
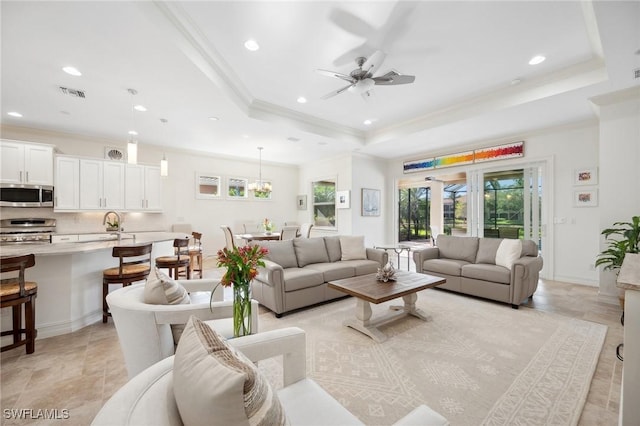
(84, 247)
(629, 275)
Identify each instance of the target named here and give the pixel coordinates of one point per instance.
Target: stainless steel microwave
(17, 195)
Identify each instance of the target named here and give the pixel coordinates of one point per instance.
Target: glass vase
(241, 309)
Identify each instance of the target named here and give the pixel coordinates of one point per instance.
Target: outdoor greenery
(623, 238)
(324, 203)
(413, 208)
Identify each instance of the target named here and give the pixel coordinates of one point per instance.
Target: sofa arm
(271, 273)
(525, 273)
(380, 256)
(289, 342)
(180, 314)
(419, 256)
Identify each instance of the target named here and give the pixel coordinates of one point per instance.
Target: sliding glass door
(414, 206)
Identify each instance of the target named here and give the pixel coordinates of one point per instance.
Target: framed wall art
(585, 198)
(370, 202)
(343, 200)
(585, 176)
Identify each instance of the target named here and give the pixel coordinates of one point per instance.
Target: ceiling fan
(361, 80)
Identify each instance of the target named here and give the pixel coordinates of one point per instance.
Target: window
(237, 188)
(324, 203)
(207, 186)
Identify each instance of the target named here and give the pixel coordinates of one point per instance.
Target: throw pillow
(508, 252)
(352, 248)
(164, 290)
(216, 384)
(310, 250)
(280, 252)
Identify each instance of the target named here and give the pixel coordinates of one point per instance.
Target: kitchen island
(69, 277)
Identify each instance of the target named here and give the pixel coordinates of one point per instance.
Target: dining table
(261, 236)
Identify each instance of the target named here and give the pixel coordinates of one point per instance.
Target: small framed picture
(301, 202)
(343, 200)
(586, 176)
(370, 202)
(585, 198)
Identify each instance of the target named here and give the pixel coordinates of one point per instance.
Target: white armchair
(148, 398)
(144, 330)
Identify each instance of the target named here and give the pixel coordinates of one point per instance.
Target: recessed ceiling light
(212, 118)
(245, 136)
(140, 108)
(251, 45)
(367, 122)
(14, 114)
(537, 60)
(133, 133)
(72, 71)
(302, 100)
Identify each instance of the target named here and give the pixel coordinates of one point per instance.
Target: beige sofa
(480, 267)
(297, 271)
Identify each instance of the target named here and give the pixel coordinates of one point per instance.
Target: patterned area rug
(476, 362)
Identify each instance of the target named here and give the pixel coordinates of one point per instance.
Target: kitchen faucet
(106, 216)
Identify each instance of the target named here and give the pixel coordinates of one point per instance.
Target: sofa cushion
(451, 267)
(487, 248)
(216, 384)
(333, 248)
(362, 267)
(508, 252)
(352, 247)
(485, 272)
(300, 278)
(333, 271)
(281, 252)
(529, 248)
(310, 250)
(459, 248)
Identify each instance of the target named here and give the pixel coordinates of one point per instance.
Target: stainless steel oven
(26, 230)
(18, 195)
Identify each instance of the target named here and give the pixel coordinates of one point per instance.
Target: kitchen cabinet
(25, 163)
(67, 184)
(143, 189)
(71, 238)
(101, 184)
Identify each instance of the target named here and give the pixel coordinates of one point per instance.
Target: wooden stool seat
(179, 260)
(134, 266)
(14, 293)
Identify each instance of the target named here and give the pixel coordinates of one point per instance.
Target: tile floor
(79, 371)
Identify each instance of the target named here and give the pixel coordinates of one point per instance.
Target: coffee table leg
(362, 322)
(410, 307)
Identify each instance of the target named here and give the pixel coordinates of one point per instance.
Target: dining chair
(289, 232)
(15, 292)
(305, 230)
(134, 265)
(195, 254)
(228, 236)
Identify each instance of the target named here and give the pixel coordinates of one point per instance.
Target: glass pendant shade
(132, 152)
(164, 166)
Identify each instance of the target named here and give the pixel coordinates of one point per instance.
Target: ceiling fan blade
(392, 78)
(337, 92)
(374, 61)
(339, 75)
(351, 23)
(395, 26)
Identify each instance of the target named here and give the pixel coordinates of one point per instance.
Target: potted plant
(113, 226)
(623, 238)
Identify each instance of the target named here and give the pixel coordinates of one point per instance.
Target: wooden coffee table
(366, 289)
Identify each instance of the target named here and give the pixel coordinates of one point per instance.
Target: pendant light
(164, 164)
(260, 187)
(132, 145)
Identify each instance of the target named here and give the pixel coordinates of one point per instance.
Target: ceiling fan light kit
(362, 80)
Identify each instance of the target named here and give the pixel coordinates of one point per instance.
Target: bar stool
(179, 260)
(195, 254)
(15, 292)
(134, 265)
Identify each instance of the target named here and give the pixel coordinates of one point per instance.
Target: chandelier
(260, 187)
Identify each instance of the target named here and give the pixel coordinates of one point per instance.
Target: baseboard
(66, 327)
(576, 280)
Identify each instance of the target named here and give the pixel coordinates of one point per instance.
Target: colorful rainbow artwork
(418, 165)
(501, 152)
(454, 159)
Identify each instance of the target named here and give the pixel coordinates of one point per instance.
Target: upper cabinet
(101, 185)
(143, 189)
(25, 163)
(67, 184)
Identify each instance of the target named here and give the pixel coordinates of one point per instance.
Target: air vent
(636, 73)
(72, 92)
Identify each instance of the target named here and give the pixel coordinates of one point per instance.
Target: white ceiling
(187, 62)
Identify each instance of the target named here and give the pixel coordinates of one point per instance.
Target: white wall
(179, 202)
(369, 173)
